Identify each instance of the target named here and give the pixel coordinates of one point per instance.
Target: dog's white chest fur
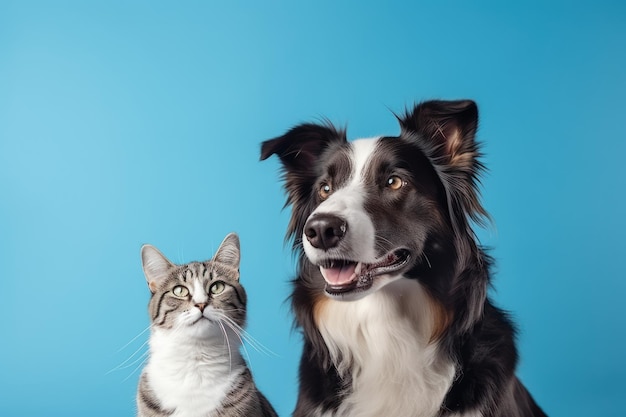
(382, 340)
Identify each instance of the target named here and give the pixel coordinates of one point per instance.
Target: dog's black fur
(437, 149)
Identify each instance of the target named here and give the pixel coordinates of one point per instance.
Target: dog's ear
(299, 148)
(448, 125)
(446, 130)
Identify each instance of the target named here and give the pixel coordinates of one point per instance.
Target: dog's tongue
(340, 275)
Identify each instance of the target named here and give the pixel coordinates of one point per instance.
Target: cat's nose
(201, 307)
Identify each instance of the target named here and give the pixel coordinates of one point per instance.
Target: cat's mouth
(201, 319)
(346, 276)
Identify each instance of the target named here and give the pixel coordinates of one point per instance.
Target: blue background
(123, 123)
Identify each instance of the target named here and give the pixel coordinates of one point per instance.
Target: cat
(197, 312)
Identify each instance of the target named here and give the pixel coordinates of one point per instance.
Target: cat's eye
(325, 190)
(217, 288)
(180, 291)
(395, 183)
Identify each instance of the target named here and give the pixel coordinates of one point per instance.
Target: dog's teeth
(358, 268)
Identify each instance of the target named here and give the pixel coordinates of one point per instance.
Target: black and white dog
(391, 292)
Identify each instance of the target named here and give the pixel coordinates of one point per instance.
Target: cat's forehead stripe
(193, 270)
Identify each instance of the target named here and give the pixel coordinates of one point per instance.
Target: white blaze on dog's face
(346, 202)
(359, 235)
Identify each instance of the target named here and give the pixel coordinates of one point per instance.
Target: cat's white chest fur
(191, 378)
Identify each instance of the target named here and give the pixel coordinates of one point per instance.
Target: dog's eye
(395, 183)
(180, 291)
(325, 190)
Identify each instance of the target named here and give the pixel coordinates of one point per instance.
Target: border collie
(391, 292)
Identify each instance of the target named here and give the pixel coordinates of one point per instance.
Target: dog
(391, 286)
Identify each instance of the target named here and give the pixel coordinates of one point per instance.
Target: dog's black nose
(324, 231)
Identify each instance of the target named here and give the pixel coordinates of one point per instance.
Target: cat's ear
(156, 266)
(229, 252)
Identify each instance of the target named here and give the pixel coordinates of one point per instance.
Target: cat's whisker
(179, 329)
(227, 341)
(258, 346)
(244, 336)
(123, 365)
(223, 319)
(136, 369)
(245, 351)
(252, 341)
(235, 330)
(238, 310)
(142, 358)
(134, 338)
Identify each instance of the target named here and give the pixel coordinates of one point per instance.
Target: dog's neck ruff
(382, 344)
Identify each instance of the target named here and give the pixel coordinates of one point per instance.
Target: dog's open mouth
(344, 276)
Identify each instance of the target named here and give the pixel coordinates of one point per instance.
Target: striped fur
(197, 311)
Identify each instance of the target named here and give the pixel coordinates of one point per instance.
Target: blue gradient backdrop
(123, 123)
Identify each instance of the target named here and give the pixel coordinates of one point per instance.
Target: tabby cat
(197, 311)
